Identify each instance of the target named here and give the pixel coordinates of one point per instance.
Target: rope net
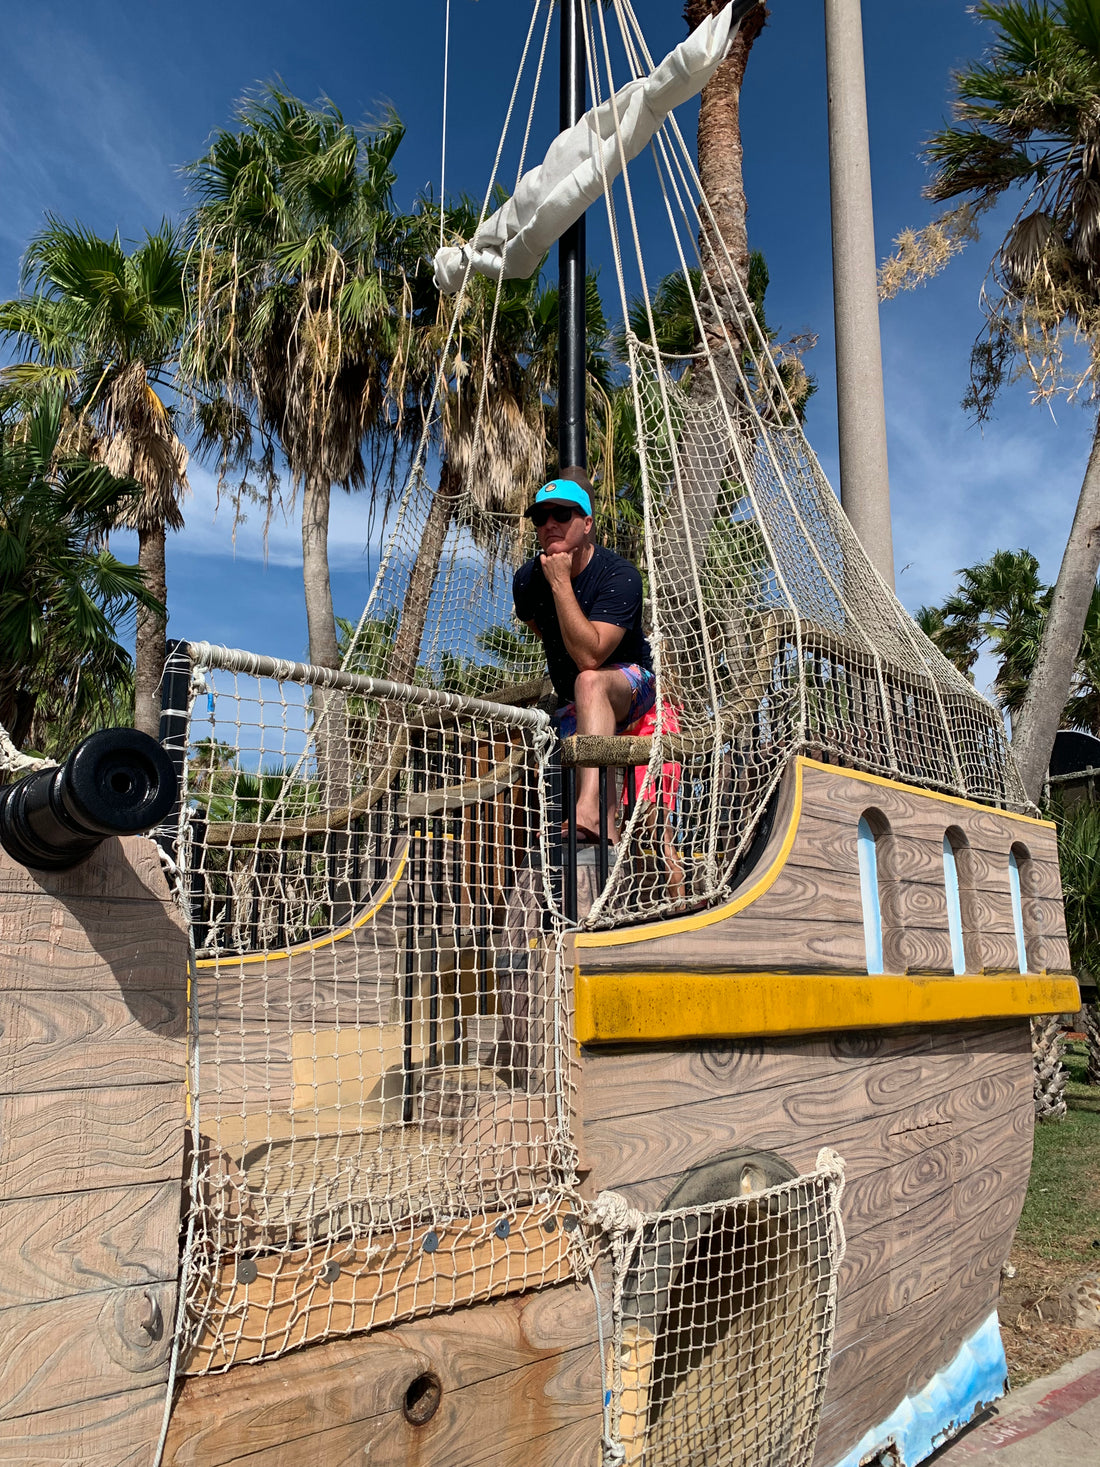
(378, 1006)
(723, 1323)
(373, 858)
(772, 633)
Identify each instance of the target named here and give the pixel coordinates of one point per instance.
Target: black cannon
(115, 782)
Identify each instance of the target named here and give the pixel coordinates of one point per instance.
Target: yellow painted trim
(663, 1008)
(321, 942)
(649, 931)
(912, 789)
(674, 926)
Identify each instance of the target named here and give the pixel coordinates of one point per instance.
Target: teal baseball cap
(561, 491)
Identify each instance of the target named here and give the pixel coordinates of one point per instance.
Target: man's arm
(589, 643)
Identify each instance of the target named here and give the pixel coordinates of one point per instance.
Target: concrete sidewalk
(1054, 1422)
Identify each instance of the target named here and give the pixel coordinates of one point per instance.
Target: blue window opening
(954, 906)
(868, 885)
(1017, 910)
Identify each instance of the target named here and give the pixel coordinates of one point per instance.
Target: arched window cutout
(1018, 859)
(954, 904)
(868, 885)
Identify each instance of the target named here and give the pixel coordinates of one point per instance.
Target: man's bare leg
(602, 697)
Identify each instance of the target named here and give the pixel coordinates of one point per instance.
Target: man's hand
(557, 567)
(589, 643)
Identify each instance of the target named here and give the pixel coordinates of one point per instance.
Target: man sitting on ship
(585, 603)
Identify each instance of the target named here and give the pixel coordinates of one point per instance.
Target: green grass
(1061, 1216)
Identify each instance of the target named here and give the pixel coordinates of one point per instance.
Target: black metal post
(572, 440)
(175, 693)
(569, 799)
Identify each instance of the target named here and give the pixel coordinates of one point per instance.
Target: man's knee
(603, 687)
(591, 685)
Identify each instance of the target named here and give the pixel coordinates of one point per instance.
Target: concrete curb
(1053, 1422)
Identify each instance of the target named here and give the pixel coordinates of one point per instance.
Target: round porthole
(730, 1174)
(422, 1398)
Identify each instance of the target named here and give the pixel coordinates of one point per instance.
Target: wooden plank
(75, 1140)
(898, 1358)
(288, 1305)
(84, 945)
(920, 1251)
(71, 1350)
(118, 1430)
(916, 811)
(810, 946)
(91, 1039)
(987, 1200)
(657, 1146)
(624, 1082)
(517, 1418)
(120, 869)
(279, 1403)
(80, 1241)
(878, 1328)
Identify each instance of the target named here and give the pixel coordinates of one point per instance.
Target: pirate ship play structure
(708, 1148)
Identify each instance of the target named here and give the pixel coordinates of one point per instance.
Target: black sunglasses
(561, 514)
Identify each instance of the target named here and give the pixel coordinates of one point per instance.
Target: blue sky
(101, 102)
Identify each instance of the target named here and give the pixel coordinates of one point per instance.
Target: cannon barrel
(115, 782)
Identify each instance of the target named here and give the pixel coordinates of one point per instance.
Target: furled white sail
(511, 243)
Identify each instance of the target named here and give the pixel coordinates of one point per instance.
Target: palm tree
(724, 223)
(1026, 118)
(1000, 604)
(490, 377)
(63, 671)
(1079, 860)
(298, 307)
(103, 324)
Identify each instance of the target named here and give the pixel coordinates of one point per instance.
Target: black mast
(572, 443)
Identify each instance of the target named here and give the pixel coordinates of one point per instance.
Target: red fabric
(670, 773)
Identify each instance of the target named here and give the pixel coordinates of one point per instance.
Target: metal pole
(572, 445)
(861, 411)
(175, 693)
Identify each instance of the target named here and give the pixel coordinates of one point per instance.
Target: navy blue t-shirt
(609, 589)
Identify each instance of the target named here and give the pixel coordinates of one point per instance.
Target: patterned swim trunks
(643, 695)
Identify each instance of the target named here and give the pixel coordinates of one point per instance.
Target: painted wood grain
(856, 1108)
(71, 1139)
(78, 945)
(810, 916)
(90, 1039)
(622, 1082)
(76, 1349)
(935, 1128)
(74, 1242)
(92, 1119)
(121, 868)
(900, 1356)
(110, 1431)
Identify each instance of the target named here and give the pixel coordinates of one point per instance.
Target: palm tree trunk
(1048, 691)
(705, 461)
(720, 162)
(1048, 1073)
(414, 611)
(149, 647)
(330, 725)
(1090, 1022)
(320, 621)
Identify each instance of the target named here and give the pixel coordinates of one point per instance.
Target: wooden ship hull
(754, 1026)
(425, 1142)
